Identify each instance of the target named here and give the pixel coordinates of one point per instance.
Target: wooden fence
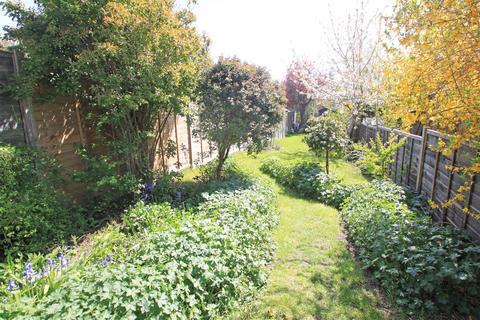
(419, 165)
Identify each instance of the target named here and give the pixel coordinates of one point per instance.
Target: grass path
(314, 276)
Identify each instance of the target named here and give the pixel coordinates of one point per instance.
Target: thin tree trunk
(222, 157)
(327, 162)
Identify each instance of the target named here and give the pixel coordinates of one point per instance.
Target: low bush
(34, 213)
(309, 180)
(109, 192)
(196, 264)
(425, 268)
(375, 158)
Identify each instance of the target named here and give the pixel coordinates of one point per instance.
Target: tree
(434, 77)
(325, 134)
(131, 64)
(357, 72)
(239, 105)
(303, 84)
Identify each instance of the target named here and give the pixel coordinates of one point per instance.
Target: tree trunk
(327, 162)
(222, 157)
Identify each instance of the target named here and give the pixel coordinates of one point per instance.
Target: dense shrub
(181, 265)
(424, 267)
(309, 180)
(34, 213)
(109, 191)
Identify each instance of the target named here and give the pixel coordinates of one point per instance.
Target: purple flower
(29, 274)
(106, 261)
(64, 261)
(178, 195)
(149, 187)
(11, 285)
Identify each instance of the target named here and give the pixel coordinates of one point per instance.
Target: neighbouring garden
(309, 226)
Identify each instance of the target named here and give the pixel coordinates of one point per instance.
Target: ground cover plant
(425, 268)
(309, 180)
(162, 262)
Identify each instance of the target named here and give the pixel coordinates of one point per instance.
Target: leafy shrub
(375, 159)
(424, 267)
(165, 187)
(34, 213)
(309, 180)
(230, 170)
(109, 191)
(186, 265)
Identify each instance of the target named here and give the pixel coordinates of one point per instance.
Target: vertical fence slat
(435, 174)
(449, 186)
(410, 158)
(421, 162)
(469, 202)
(403, 163)
(396, 160)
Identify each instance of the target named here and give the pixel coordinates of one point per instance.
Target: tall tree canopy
(303, 84)
(434, 78)
(132, 63)
(239, 105)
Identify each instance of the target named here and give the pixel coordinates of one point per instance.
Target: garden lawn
(314, 275)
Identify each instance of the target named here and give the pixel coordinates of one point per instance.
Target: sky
(270, 33)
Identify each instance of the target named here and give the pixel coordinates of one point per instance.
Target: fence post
(189, 135)
(176, 140)
(421, 160)
(449, 186)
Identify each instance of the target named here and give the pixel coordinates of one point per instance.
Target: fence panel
(419, 165)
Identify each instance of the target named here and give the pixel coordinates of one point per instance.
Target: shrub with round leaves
(182, 265)
(425, 268)
(309, 180)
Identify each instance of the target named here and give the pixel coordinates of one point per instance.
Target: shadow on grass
(342, 286)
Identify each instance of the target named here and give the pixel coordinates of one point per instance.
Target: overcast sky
(270, 32)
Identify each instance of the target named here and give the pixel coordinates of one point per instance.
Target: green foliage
(425, 268)
(375, 159)
(309, 180)
(325, 134)
(108, 191)
(151, 217)
(197, 264)
(207, 172)
(239, 105)
(34, 213)
(132, 64)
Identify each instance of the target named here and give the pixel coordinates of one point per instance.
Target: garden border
(419, 165)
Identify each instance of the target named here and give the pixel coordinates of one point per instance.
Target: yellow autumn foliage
(434, 77)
